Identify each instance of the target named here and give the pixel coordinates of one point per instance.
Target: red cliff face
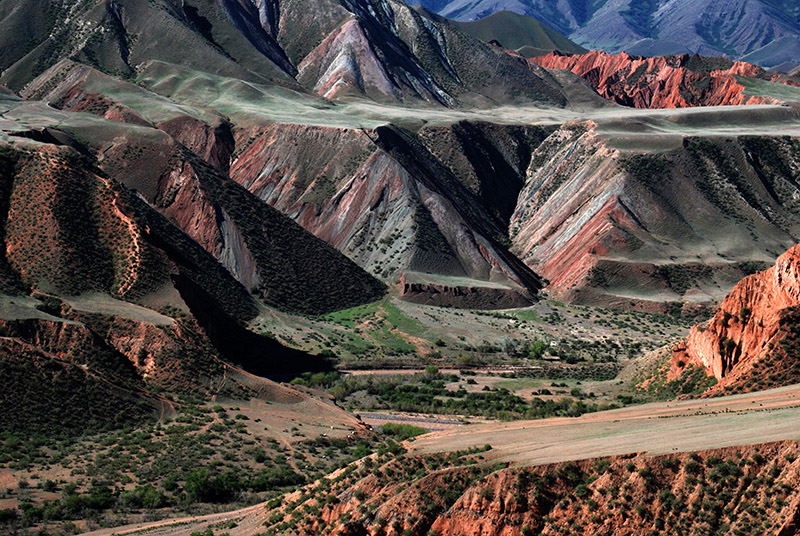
(752, 322)
(658, 82)
(213, 143)
(607, 227)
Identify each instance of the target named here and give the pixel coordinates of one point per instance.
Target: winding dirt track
(658, 428)
(183, 525)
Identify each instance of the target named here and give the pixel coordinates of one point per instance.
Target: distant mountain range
(765, 32)
(527, 35)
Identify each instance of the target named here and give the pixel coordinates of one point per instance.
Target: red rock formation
(658, 82)
(366, 200)
(621, 495)
(344, 63)
(571, 212)
(749, 325)
(213, 143)
(78, 100)
(157, 351)
(607, 228)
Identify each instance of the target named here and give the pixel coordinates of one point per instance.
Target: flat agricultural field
(657, 428)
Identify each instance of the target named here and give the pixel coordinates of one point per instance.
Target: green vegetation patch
(403, 431)
(428, 393)
(693, 381)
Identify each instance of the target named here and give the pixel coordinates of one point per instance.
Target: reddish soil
(658, 82)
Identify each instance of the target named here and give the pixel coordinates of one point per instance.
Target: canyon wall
(751, 340)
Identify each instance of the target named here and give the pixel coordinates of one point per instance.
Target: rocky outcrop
(661, 81)
(271, 255)
(750, 326)
(570, 167)
(477, 296)
(385, 198)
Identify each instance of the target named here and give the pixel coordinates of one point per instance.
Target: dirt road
(656, 428)
(183, 525)
(433, 423)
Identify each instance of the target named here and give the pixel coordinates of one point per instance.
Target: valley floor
(653, 429)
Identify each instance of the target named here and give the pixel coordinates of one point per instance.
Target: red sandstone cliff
(752, 324)
(658, 82)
